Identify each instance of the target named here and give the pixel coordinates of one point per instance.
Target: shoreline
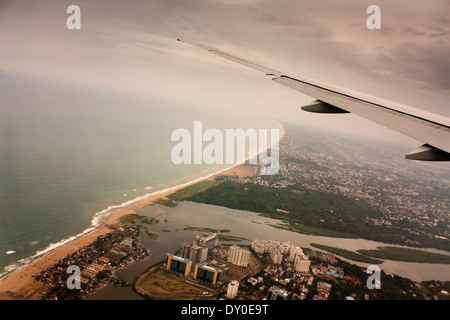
(20, 284)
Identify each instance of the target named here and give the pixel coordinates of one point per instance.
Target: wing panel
(423, 130)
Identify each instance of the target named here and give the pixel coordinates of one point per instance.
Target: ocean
(70, 154)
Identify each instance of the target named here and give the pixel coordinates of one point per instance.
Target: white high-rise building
(294, 252)
(232, 289)
(210, 241)
(238, 256)
(276, 255)
(259, 246)
(302, 263)
(285, 246)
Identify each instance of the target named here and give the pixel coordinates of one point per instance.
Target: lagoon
(248, 225)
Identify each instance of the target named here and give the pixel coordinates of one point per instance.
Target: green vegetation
(232, 238)
(204, 229)
(182, 194)
(166, 202)
(131, 219)
(310, 212)
(151, 235)
(408, 255)
(300, 228)
(127, 219)
(347, 254)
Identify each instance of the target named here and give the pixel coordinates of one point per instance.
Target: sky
(130, 46)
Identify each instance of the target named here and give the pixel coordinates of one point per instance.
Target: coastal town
(209, 269)
(270, 270)
(97, 264)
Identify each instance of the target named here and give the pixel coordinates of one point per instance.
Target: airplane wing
(431, 129)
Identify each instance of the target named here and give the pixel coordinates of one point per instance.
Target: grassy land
(131, 218)
(161, 284)
(166, 202)
(127, 219)
(310, 212)
(172, 199)
(315, 231)
(191, 228)
(232, 238)
(407, 255)
(151, 235)
(347, 254)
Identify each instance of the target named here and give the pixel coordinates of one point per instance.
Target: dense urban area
(96, 263)
(346, 186)
(272, 270)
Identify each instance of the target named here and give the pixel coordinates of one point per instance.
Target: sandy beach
(20, 285)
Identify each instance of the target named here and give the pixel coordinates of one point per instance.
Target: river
(248, 225)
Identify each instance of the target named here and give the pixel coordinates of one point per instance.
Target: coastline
(20, 284)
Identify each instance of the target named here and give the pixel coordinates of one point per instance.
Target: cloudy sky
(131, 46)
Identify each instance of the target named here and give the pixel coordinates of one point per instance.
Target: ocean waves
(97, 221)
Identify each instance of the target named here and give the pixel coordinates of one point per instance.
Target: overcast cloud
(131, 45)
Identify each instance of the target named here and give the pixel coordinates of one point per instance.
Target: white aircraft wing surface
(433, 130)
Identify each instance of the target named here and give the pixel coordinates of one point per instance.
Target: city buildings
(209, 242)
(293, 252)
(277, 251)
(127, 242)
(178, 264)
(302, 263)
(238, 256)
(194, 253)
(190, 263)
(198, 251)
(232, 289)
(276, 255)
(277, 293)
(206, 273)
(323, 290)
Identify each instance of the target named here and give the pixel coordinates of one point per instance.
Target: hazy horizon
(131, 47)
